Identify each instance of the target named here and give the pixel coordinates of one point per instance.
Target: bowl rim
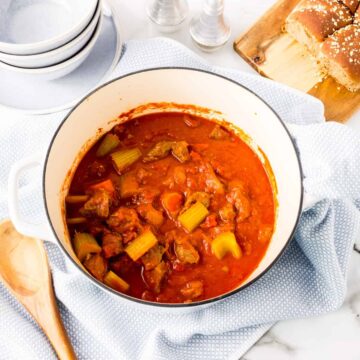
(173, 305)
(56, 51)
(70, 33)
(63, 64)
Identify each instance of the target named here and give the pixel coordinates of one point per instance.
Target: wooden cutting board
(276, 55)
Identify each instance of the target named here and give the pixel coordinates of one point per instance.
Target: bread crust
(351, 4)
(320, 18)
(340, 54)
(357, 16)
(330, 30)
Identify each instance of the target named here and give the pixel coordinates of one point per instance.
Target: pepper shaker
(210, 30)
(167, 14)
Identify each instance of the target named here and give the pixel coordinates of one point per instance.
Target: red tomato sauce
(204, 158)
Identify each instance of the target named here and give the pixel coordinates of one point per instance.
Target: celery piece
(109, 143)
(224, 243)
(76, 220)
(124, 158)
(85, 244)
(142, 244)
(193, 217)
(116, 282)
(76, 199)
(129, 186)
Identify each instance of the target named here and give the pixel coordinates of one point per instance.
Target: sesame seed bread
(351, 4)
(357, 16)
(340, 55)
(312, 21)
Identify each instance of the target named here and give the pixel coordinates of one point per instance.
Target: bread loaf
(357, 16)
(312, 21)
(351, 4)
(340, 55)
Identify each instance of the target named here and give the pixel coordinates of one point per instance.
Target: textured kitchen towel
(308, 280)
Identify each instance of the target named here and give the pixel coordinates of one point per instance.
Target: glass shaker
(168, 15)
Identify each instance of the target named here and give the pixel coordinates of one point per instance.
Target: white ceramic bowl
(63, 68)
(55, 56)
(95, 115)
(36, 26)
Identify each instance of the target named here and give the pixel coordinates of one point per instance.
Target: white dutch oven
(80, 130)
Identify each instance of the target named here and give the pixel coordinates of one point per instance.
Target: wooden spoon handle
(25, 271)
(49, 319)
(61, 343)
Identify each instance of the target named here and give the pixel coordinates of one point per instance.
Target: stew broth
(185, 182)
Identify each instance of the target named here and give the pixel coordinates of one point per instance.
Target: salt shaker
(167, 14)
(210, 30)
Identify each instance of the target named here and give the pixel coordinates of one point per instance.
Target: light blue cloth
(308, 280)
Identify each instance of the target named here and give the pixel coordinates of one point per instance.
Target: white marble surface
(333, 336)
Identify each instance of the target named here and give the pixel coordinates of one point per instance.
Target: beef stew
(171, 208)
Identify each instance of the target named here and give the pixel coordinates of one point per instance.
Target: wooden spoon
(24, 269)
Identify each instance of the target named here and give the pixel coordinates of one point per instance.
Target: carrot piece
(104, 185)
(195, 156)
(172, 201)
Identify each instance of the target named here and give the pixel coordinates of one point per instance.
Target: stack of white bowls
(47, 38)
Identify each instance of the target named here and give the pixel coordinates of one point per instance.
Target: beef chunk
(153, 257)
(96, 265)
(122, 264)
(155, 277)
(213, 184)
(150, 214)
(147, 195)
(227, 213)
(240, 200)
(180, 151)
(96, 168)
(159, 151)
(96, 227)
(111, 245)
(192, 289)
(218, 133)
(185, 252)
(98, 204)
(126, 222)
(191, 121)
(162, 149)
